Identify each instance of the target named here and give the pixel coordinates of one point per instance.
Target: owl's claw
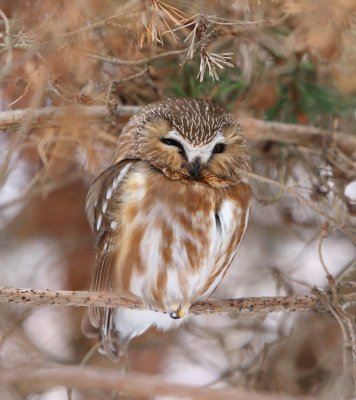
(179, 313)
(174, 315)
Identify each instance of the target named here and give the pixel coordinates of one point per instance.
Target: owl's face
(194, 141)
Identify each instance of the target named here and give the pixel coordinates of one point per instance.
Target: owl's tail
(108, 343)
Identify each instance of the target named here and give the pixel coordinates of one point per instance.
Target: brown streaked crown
(196, 120)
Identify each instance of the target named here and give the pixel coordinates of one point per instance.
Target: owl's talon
(174, 315)
(180, 312)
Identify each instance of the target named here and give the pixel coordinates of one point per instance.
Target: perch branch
(134, 384)
(242, 305)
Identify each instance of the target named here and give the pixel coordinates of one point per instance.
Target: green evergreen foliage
(229, 88)
(300, 94)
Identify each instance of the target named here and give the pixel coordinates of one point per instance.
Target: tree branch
(256, 130)
(301, 135)
(332, 145)
(51, 115)
(134, 384)
(249, 305)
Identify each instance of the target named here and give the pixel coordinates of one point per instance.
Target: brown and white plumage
(168, 215)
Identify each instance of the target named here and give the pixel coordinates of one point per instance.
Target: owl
(168, 215)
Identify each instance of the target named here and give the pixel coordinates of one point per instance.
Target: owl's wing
(126, 148)
(99, 207)
(99, 199)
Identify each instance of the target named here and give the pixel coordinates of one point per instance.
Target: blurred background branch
(136, 384)
(255, 129)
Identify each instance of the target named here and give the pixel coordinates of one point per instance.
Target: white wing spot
(113, 225)
(104, 206)
(121, 175)
(116, 182)
(109, 193)
(99, 221)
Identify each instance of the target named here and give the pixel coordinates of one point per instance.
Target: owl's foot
(180, 312)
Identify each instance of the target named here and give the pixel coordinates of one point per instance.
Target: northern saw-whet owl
(169, 215)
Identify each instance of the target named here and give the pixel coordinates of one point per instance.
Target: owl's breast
(175, 239)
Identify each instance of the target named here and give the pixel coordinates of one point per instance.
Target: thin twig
(31, 191)
(142, 61)
(92, 351)
(349, 326)
(131, 77)
(347, 330)
(24, 93)
(89, 27)
(348, 230)
(15, 322)
(345, 337)
(342, 317)
(324, 232)
(7, 45)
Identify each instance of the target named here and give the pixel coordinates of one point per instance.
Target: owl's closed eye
(210, 150)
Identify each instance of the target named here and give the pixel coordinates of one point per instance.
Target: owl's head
(192, 140)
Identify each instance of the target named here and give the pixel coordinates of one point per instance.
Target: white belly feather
(131, 323)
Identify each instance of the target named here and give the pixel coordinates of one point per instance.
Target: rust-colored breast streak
(170, 248)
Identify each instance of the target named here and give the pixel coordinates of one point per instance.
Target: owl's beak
(195, 168)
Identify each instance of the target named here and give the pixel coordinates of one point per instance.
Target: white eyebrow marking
(203, 151)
